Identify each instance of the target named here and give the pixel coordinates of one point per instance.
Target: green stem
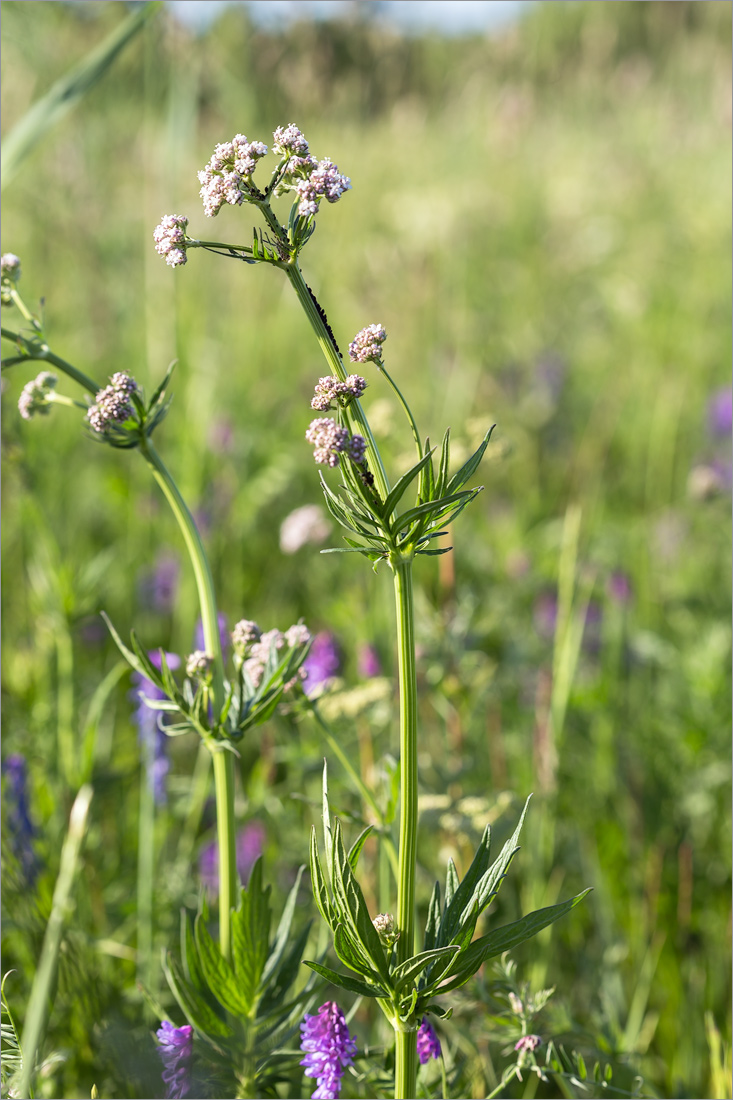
(66, 733)
(406, 408)
(43, 353)
(406, 1042)
(145, 871)
(503, 1084)
(223, 759)
(354, 414)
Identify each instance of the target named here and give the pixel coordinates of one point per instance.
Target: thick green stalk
(406, 1042)
(223, 760)
(355, 414)
(43, 353)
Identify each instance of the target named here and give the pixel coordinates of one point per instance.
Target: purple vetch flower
(428, 1043)
(368, 662)
(720, 412)
(34, 397)
(198, 638)
(328, 1049)
(170, 239)
(175, 1047)
(322, 662)
(149, 722)
(21, 830)
(159, 588)
(303, 526)
(367, 344)
(249, 846)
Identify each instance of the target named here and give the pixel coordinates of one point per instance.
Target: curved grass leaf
(343, 981)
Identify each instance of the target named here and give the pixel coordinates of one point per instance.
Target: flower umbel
(227, 178)
(112, 404)
(428, 1043)
(9, 275)
(170, 239)
(329, 1049)
(367, 345)
(331, 440)
(329, 389)
(35, 395)
(175, 1049)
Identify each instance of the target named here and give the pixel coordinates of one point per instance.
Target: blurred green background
(540, 218)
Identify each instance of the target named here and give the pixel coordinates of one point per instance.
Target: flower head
(9, 276)
(198, 665)
(528, 1044)
(112, 405)
(175, 1047)
(304, 525)
(170, 239)
(428, 1043)
(330, 389)
(34, 397)
(385, 929)
(245, 632)
(227, 178)
(323, 181)
(367, 345)
(288, 141)
(150, 724)
(331, 440)
(328, 1048)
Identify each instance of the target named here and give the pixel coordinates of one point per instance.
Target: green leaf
(444, 464)
(282, 977)
(320, 891)
(129, 656)
(356, 847)
(343, 981)
(348, 892)
(220, 977)
(326, 818)
(464, 895)
(427, 478)
(349, 951)
(94, 717)
(250, 936)
(408, 971)
(433, 921)
(431, 509)
(399, 488)
(67, 91)
(189, 956)
(283, 930)
(469, 468)
(506, 938)
(451, 884)
(489, 885)
(196, 1011)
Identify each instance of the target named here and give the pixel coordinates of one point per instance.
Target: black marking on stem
(324, 318)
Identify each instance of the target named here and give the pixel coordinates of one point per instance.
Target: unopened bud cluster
(170, 239)
(227, 178)
(252, 648)
(112, 405)
(331, 441)
(34, 397)
(9, 275)
(330, 390)
(384, 925)
(198, 665)
(367, 345)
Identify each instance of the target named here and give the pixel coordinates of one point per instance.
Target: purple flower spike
(720, 412)
(322, 662)
(151, 736)
(175, 1049)
(21, 829)
(328, 1050)
(428, 1043)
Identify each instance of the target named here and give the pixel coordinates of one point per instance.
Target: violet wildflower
(720, 412)
(198, 638)
(170, 239)
(228, 175)
(428, 1043)
(150, 725)
(322, 662)
(304, 525)
(249, 847)
(367, 345)
(175, 1047)
(35, 395)
(9, 276)
(331, 440)
(328, 1048)
(112, 404)
(368, 662)
(20, 829)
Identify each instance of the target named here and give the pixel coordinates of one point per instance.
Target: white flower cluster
(112, 404)
(253, 648)
(367, 344)
(34, 397)
(227, 176)
(330, 441)
(170, 239)
(329, 389)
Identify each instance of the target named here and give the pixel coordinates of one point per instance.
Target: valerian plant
(383, 527)
(226, 992)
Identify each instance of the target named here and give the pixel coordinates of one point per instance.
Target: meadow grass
(541, 221)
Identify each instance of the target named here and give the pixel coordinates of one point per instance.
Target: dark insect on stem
(324, 318)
